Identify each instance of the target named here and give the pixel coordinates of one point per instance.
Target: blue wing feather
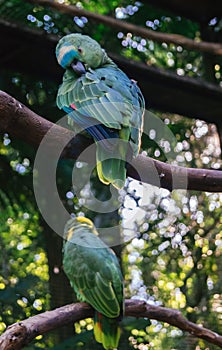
(104, 96)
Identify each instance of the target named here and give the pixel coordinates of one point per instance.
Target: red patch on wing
(100, 316)
(73, 106)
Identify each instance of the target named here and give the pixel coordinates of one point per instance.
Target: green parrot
(94, 273)
(102, 100)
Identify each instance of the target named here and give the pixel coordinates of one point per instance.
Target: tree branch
(22, 333)
(202, 46)
(22, 123)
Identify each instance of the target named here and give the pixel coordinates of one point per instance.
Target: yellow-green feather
(106, 331)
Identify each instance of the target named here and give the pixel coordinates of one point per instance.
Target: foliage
(174, 257)
(23, 261)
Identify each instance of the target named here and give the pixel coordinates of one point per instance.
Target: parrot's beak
(78, 67)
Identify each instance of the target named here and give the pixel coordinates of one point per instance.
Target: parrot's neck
(69, 74)
(106, 61)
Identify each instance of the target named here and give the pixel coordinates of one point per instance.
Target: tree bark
(22, 123)
(22, 333)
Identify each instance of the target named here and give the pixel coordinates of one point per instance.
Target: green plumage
(95, 275)
(100, 93)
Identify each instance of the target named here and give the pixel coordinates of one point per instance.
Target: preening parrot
(94, 273)
(102, 100)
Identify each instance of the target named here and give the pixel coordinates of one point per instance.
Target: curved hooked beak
(78, 67)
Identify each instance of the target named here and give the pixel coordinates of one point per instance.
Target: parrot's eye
(79, 50)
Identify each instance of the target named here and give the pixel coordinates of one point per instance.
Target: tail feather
(112, 169)
(106, 331)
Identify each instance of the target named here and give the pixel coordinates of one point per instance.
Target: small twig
(213, 48)
(22, 333)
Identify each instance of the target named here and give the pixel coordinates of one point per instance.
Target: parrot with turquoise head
(102, 100)
(95, 275)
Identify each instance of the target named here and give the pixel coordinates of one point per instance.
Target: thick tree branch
(22, 333)
(20, 122)
(213, 48)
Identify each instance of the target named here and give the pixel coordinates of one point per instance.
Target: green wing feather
(95, 275)
(94, 272)
(105, 94)
(109, 97)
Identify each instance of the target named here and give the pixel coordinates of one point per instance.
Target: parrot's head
(79, 52)
(76, 224)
